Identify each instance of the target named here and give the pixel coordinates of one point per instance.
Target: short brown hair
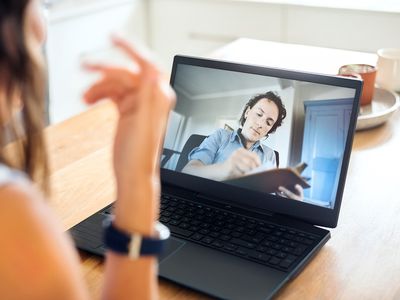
(272, 96)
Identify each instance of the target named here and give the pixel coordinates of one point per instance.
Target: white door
(325, 132)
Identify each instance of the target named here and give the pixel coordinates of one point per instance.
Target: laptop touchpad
(219, 274)
(171, 246)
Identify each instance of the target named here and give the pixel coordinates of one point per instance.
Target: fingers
(299, 190)
(243, 161)
(130, 89)
(103, 89)
(125, 76)
(286, 193)
(289, 194)
(248, 158)
(248, 155)
(244, 165)
(139, 57)
(115, 83)
(103, 68)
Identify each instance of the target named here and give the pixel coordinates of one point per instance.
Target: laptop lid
(286, 118)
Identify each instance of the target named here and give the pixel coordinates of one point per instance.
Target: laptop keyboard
(266, 243)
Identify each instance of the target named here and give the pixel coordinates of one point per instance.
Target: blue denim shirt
(217, 147)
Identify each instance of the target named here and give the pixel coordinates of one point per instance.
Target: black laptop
(245, 237)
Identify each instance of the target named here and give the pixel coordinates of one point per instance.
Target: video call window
(231, 127)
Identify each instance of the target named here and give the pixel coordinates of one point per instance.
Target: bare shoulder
(23, 209)
(17, 200)
(35, 251)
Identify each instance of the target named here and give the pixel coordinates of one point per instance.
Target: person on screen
(230, 154)
(37, 257)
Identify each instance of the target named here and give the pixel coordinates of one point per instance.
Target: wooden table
(360, 261)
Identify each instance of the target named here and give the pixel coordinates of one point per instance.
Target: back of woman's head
(13, 52)
(22, 89)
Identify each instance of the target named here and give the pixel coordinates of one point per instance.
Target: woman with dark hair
(38, 260)
(230, 154)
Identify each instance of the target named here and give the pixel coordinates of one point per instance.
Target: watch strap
(134, 245)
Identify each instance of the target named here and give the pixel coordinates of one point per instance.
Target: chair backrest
(193, 141)
(277, 158)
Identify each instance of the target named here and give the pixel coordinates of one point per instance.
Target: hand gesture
(143, 99)
(240, 162)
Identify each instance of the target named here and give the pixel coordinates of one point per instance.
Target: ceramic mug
(367, 74)
(388, 65)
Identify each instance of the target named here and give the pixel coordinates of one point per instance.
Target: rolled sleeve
(207, 150)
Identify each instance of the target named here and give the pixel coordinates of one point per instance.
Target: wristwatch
(134, 245)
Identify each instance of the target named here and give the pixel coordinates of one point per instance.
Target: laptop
(232, 238)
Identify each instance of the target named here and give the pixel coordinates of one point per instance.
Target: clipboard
(269, 181)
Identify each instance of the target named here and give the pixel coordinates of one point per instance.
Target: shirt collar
(235, 136)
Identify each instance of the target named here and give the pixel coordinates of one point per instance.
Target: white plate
(383, 105)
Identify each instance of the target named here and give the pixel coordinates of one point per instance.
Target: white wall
(78, 32)
(197, 27)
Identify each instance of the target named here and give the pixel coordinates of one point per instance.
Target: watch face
(163, 231)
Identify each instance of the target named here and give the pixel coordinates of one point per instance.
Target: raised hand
(143, 99)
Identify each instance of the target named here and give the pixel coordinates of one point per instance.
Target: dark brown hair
(21, 78)
(274, 97)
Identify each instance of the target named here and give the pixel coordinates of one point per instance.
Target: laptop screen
(269, 134)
